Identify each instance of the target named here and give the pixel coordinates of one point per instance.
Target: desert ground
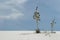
(29, 35)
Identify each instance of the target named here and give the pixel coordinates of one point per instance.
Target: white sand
(28, 35)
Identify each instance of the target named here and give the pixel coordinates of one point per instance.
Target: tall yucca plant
(36, 16)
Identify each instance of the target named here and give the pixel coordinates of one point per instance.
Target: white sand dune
(28, 35)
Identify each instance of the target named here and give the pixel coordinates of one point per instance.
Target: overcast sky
(18, 14)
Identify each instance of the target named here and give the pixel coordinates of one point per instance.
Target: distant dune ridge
(29, 35)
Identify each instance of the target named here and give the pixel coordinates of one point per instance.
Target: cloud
(14, 15)
(8, 9)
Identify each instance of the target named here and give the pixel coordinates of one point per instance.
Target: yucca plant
(36, 16)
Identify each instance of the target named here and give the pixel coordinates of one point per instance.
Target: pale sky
(18, 14)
